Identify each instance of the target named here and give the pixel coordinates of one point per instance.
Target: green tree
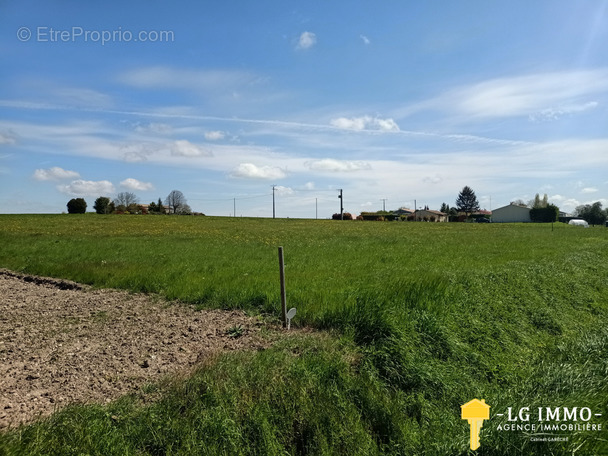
(176, 200)
(77, 206)
(539, 203)
(102, 205)
(545, 214)
(467, 201)
(126, 199)
(445, 208)
(592, 213)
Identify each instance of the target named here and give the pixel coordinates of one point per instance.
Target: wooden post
(283, 293)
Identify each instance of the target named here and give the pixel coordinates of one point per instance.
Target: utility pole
(383, 204)
(415, 212)
(273, 209)
(234, 213)
(341, 205)
(316, 209)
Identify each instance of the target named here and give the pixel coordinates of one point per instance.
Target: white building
(511, 214)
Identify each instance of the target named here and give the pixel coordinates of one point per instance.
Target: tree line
(128, 203)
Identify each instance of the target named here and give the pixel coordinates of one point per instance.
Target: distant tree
(184, 209)
(126, 199)
(592, 213)
(519, 202)
(445, 208)
(156, 207)
(175, 200)
(467, 201)
(538, 203)
(133, 208)
(347, 216)
(102, 205)
(545, 214)
(77, 206)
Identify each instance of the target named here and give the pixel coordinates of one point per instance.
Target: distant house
(481, 213)
(403, 211)
(513, 213)
(565, 217)
(431, 216)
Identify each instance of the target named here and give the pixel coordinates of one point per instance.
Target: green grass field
(422, 318)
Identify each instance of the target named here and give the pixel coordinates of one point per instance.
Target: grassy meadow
(420, 319)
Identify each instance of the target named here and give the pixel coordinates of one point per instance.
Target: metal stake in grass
(283, 293)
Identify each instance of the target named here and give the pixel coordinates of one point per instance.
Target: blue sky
(397, 100)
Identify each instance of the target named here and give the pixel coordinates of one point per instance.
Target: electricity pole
(341, 205)
(273, 209)
(383, 204)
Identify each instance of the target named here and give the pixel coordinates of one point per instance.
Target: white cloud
(183, 148)
(134, 184)
(589, 190)
(556, 113)
(307, 40)
(137, 152)
(154, 127)
(54, 173)
(330, 164)
(526, 95)
(207, 81)
(284, 191)
(214, 135)
(87, 188)
(6, 138)
(364, 123)
(309, 186)
(251, 171)
(81, 97)
(365, 39)
(432, 179)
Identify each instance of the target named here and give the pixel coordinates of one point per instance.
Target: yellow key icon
(475, 412)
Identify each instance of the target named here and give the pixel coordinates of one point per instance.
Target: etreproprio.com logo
(44, 34)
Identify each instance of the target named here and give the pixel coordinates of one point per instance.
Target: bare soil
(63, 343)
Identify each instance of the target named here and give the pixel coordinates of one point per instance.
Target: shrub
(347, 216)
(547, 214)
(77, 206)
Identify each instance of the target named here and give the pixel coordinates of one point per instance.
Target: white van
(578, 222)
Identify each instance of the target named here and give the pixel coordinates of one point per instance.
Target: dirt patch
(61, 343)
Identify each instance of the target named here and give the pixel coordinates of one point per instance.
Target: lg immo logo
(475, 412)
(538, 423)
(550, 419)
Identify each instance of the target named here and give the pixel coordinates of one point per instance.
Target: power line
(238, 198)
